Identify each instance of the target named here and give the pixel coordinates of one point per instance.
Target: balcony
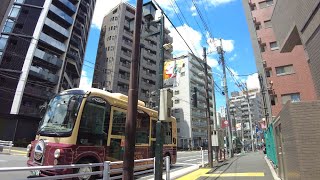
(123, 76)
(37, 92)
(67, 5)
(75, 57)
(48, 58)
(127, 54)
(128, 33)
(43, 74)
(126, 65)
(30, 111)
(57, 28)
(62, 15)
(199, 124)
(53, 42)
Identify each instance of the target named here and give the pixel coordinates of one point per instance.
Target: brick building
(299, 26)
(286, 76)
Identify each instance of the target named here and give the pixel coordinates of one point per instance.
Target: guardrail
(6, 144)
(106, 172)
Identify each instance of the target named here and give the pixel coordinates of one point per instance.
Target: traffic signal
(194, 97)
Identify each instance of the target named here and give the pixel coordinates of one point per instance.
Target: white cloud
(212, 62)
(233, 57)
(194, 14)
(217, 2)
(85, 81)
(228, 45)
(192, 37)
(253, 81)
(101, 9)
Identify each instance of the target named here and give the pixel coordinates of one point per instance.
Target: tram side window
(143, 126)
(118, 124)
(94, 122)
(167, 128)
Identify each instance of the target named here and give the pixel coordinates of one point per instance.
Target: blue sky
(225, 19)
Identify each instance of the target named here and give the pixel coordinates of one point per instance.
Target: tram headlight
(57, 153)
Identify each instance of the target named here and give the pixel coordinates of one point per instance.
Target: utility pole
(250, 118)
(221, 53)
(159, 131)
(130, 126)
(210, 154)
(215, 124)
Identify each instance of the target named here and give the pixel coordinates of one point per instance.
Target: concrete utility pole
(159, 133)
(221, 53)
(215, 124)
(130, 127)
(250, 118)
(210, 154)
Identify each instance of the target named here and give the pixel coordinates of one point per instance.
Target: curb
(273, 172)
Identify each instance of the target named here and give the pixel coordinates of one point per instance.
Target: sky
(224, 19)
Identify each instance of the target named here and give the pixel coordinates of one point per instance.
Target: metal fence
(106, 172)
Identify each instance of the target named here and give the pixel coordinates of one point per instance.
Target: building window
(176, 101)
(176, 111)
(258, 25)
(274, 46)
(262, 47)
(268, 72)
(178, 119)
(183, 74)
(267, 24)
(178, 130)
(176, 92)
(265, 4)
(284, 70)
(295, 97)
(274, 99)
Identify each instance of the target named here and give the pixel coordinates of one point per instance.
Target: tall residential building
(191, 120)
(42, 50)
(295, 26)
(112, 69)
(239, 110)
(286, 76)
(4, 10)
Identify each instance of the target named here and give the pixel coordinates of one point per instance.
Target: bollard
(106, 170)
(202, 158)
(167, 167)
(154, 166)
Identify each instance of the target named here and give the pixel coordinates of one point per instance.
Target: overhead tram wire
(180, 19)
(202, 19)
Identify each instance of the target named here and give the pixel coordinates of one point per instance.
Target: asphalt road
(7, 160)
(184, 159)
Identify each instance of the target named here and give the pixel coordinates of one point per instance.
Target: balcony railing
(53, 42)
(69, 5)
(43, 74)
(57, 27)
(126, 54)
(36, 92)
(61, 14)
(53, 60)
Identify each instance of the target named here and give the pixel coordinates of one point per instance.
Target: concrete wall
(300, 132)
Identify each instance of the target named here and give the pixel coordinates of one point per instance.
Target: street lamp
(149, 11)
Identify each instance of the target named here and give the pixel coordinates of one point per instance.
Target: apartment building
(239, 110)
(4, 10)
(191, 120)
(286, 76)
(299, 26)
(41, 51)
(112, 69)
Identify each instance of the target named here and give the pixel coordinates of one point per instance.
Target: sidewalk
(243, 167)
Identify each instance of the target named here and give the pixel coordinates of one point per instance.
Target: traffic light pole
(130, 126)
(210, 154)
(221, 53)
